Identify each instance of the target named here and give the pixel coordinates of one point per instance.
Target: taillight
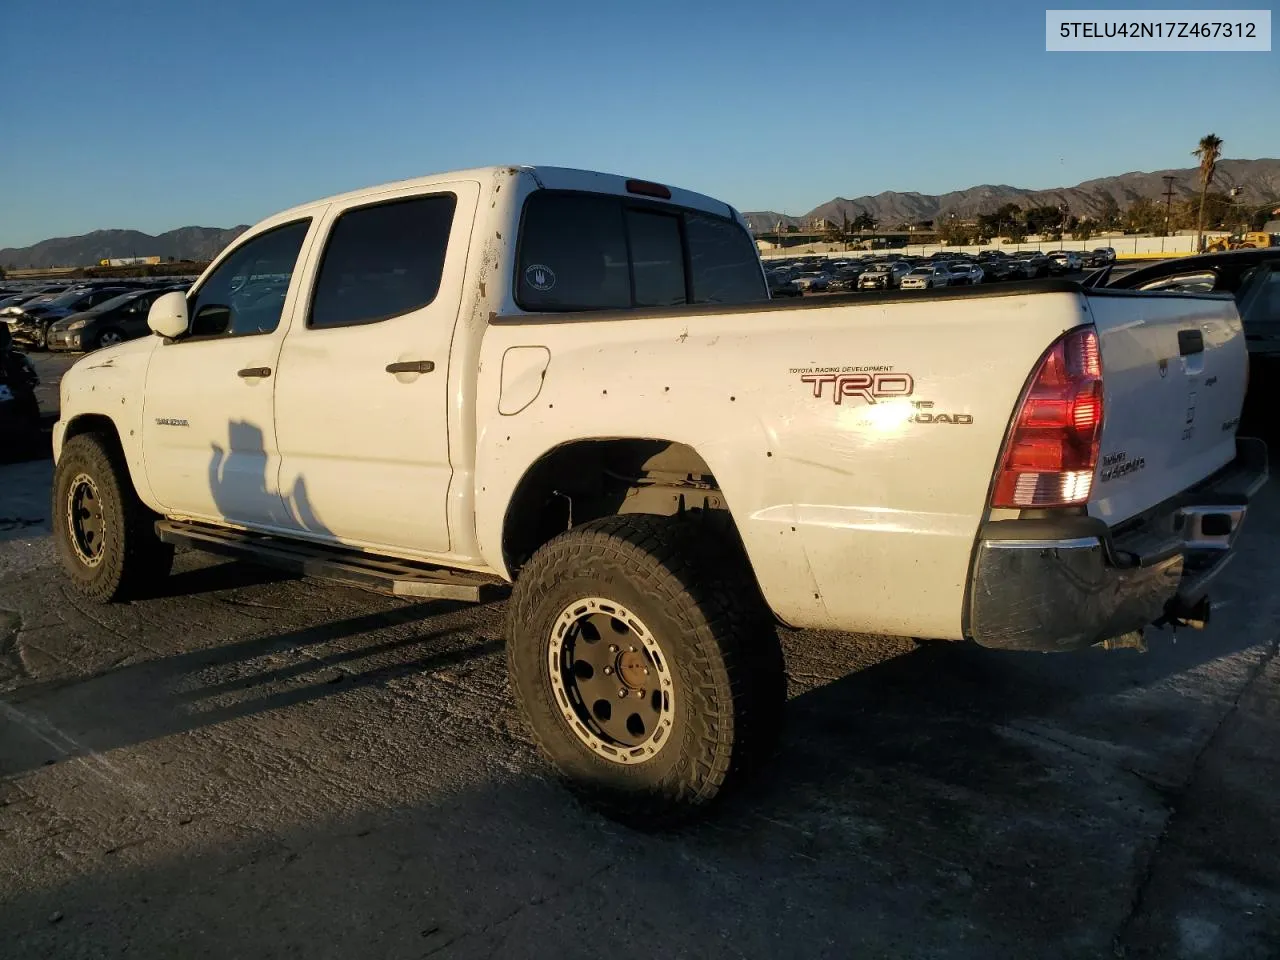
(1052, 448)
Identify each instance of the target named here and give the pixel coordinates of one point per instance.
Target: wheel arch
(98, 423)
(586, 479)
(104, 426)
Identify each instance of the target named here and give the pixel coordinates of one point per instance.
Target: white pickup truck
(577, 383)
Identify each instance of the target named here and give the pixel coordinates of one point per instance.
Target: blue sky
(153, 115)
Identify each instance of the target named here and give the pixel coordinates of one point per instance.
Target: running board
(398, 578)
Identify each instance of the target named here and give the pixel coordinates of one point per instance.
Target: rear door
(362, 398)
(1174, 374)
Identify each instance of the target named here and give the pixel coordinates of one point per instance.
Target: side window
(245, 294)
(723, 260)
(573, 254)
(382, 261)
(657, 259)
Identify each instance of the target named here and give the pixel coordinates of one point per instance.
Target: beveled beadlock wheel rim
(611, 680)
(84, 520)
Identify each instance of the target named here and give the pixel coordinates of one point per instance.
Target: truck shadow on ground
(211, 685)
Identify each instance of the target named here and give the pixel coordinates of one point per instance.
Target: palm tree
(1209, 150)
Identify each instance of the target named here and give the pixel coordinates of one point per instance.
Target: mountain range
(1258, 180)
(185, 243)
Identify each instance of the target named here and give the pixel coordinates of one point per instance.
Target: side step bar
(398, 578)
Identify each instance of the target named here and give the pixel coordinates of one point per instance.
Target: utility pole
(1168, 201)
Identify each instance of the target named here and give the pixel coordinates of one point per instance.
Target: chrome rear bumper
(1070, 583)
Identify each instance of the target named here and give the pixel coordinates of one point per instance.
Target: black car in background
(846, 278)
(782, 286)
(31, 325)
(43, 294)
(996, 267)
(121, 318)
(15, 300)
(1100, 257)
(1034, 265)
(1252, 277)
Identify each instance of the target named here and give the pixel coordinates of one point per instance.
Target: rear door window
(383, 261)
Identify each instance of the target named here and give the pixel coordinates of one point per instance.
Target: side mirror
(168, 315)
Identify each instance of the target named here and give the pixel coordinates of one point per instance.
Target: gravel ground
(250, 765)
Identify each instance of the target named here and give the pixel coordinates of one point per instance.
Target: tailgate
(1174, 375)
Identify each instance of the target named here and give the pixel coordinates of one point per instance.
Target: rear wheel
(105, 536)
(646, 665)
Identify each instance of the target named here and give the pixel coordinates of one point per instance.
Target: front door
(209, 420)
(362, 399)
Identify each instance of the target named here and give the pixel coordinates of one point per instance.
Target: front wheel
(105, 536)
(647, 668)
(108, 338)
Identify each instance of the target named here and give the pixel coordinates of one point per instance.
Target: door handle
(250, 372)
(411, 366)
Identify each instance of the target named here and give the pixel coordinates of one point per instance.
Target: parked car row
(795, 277)
(84, 316)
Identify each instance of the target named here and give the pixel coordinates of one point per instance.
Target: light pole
(1168, 203)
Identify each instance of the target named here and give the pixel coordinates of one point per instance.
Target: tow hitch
(1180, 613)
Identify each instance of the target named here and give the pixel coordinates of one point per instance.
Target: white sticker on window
(539, 276)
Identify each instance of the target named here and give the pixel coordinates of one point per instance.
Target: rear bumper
(1069, 583)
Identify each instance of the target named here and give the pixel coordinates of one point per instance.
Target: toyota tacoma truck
(576, 384)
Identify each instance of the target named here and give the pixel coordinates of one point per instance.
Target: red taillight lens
(1052, 448)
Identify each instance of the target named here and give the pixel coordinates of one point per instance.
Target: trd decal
(871, 387)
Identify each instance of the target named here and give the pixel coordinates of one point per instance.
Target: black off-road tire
(694, 591)
(132, 557)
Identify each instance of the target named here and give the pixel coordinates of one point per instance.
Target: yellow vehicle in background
(1255, 239)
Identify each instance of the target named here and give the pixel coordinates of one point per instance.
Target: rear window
(583, 251)
(1201, 281)
(726, 267)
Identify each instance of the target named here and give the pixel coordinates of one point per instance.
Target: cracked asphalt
(250, 765)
